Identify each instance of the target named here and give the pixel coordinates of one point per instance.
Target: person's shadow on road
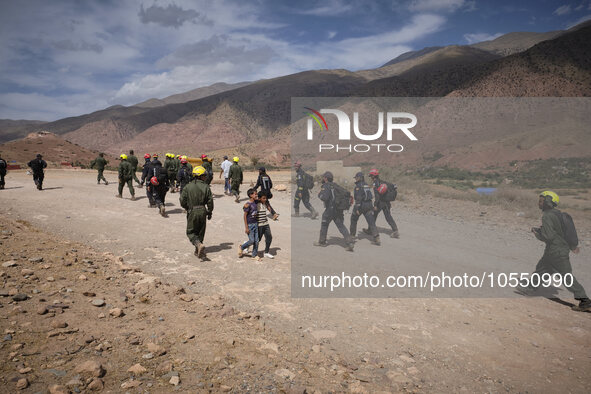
(52, 188)
(14, 187)
(218, 248)
(175, 211)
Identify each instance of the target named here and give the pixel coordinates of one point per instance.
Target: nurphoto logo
(395, 121)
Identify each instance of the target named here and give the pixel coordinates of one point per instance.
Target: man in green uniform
(171, 169)
(208, 168)
(125, 176)
(236, 178)
(197, 200)
(100, 163)
(556, 254)
(134, 163)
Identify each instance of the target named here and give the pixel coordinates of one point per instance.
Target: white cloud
(329, 8)
(562, 10)
(331, 34)
(438, 5)
(473, 38)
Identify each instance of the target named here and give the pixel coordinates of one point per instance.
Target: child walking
(251, 225)
(263, 223)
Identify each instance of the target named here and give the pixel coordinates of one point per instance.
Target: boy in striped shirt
(263, 223)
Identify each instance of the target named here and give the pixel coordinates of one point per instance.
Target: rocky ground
(77, 320)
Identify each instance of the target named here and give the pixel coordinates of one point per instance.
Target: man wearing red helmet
(184, 175)
(383, 200)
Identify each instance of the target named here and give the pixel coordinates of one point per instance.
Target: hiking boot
(322, 244)
(584, 306)
(296, 214)
(395, 234)
(314, 215)
(240, 251)
(106, 183)
(162, 210)
(237, 198)
(349, 247)
(132, 198)
(118, 196)
(376, 242)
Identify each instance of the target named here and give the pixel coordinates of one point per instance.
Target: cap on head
(262, 169)
(236, 159)
(198, 171)
(374, 172)
(359, 175)
(147, 156)
(39, 155)
(123, 156)
(328, 175)
(550, 195)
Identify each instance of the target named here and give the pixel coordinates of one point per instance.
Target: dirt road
(423, 343)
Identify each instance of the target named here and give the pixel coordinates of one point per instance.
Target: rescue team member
(251, 226)
(184, 176)
(556, 253)
(145, 171)
(225, 166)
(363, 206)
(3, 167)
(159, 185)
(37, 166)
(196, 198)
(100, 163)
(208, 168)
(266, 184)
(125, 176)
(236, 178)
(134, 163)
(332, 212)
(380, 205)
(303, 192)
(171, 170)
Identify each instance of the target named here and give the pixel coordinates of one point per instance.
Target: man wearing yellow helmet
(171, 170)
(197, 199)
(236, 177)
(125, 176)
(556, 254)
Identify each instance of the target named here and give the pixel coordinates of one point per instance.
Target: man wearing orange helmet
(384, 193)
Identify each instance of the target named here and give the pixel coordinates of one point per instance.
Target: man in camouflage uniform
(196, 198)
(134, 163)
(125, 176)
(100, 163)
(236, 177)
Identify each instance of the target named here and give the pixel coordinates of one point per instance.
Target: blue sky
(64, 58)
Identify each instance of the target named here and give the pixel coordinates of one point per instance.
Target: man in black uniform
(381, 205)
(184, 175)
(3, 166)
(331, 212)
(303, 192)
(37, 165)
(145, 172)
(363, 206)
(159, 185)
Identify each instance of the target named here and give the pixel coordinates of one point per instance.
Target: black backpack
(391, 193)
(308, 181)
(161, 174)
(568, 229)
(342, 198)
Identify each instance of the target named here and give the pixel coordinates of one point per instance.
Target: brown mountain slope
(191, 95)
(15, 129)
(53, 148)
(516, 42)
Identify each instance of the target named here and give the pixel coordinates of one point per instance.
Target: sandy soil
(425, 345)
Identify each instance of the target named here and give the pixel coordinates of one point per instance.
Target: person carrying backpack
(100, 163)
(145, 178)
(236, 177)
(266, 184)
(363, 206)
(559, 235)
(197, 200)
(304, 182)
(3, 167)
(125, 176)
(208, 168)
(336, 200)
(184, 175)
(37, 166)
(159, 185)
(384, 193)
